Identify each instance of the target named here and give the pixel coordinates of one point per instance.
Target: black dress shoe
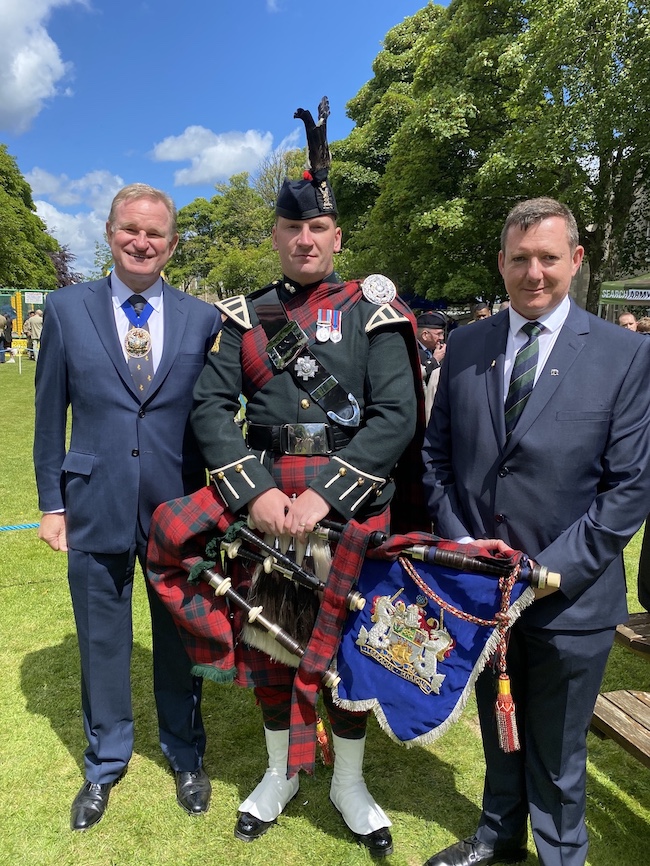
(193, 790)
(472, 852)
(89, 805)
(379, 843)
(248, 827)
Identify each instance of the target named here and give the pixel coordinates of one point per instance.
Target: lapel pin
(555, 372)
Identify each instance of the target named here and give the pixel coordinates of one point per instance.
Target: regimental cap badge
(312, 196)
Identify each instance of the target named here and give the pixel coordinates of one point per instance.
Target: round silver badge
(322, 334)
(335, 336)
(137, 342)
(378, 289)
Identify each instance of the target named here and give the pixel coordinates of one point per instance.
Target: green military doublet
(370, 361)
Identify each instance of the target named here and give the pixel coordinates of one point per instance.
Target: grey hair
(142, 190)
(532, 211)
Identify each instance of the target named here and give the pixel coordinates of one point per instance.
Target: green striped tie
(523, 376)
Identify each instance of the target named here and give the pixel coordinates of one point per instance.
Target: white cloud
(31, 65)
(90, 195)
(213, 157)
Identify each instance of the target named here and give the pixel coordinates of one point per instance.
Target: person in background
(540, 441)
(481, 311)
(27, 331)
(36, 328)
(628, 320)
(124, 353)
(643, 325)
(3, 322)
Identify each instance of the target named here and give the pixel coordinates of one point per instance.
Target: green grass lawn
(432, 794)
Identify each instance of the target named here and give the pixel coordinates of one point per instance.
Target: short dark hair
(532, 211)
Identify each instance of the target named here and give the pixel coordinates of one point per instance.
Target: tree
(102, 262)
(63, 259)
(273, 171)
(224, 243)
(485, 103)
(25, 244)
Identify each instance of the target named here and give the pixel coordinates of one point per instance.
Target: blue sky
(95, 94)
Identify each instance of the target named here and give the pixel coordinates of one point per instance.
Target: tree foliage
(224, 244)
(63, 261)
(476, 106)
(25, 245)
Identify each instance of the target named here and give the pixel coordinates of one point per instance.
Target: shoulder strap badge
(236, 309)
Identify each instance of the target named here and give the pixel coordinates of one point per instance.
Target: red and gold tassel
(506, 718)
(323, 743)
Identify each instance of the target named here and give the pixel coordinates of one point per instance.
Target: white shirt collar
(552, 320)
(121, 292)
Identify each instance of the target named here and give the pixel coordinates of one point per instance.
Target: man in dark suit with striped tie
(123, 353)
(539, 440)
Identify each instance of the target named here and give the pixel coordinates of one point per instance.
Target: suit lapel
(494, 359)
(100, 309)
(569, 344)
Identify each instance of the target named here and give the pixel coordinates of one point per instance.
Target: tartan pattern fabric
(522, 377)
(393, 547)
(346, 566)
(180, 530)
(256, 365)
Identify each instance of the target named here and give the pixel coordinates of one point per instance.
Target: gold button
(343, 471)
(305, 404)
(238, 467)
(360, 481)
(220, 476)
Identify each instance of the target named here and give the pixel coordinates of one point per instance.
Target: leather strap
(288, 349)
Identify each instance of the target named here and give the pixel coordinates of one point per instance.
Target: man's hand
(498, 546)
(304, 513)
(268, 511)
(439, 352)
(52, 531)
(494, 545)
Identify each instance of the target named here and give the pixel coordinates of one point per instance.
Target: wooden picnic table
(624, 716)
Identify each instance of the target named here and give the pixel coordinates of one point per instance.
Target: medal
(323, 325)
(378, 289)
(335, 333)
(137, 342)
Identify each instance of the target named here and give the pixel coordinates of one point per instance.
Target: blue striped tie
(523, 376)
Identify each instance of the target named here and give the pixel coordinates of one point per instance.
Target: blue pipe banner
(410, 659)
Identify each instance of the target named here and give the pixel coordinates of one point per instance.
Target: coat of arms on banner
(407, 640)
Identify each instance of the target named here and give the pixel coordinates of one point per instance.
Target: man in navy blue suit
(539, 440)
(123, 353)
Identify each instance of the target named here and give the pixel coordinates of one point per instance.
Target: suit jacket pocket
(78, 462)
(576, 416)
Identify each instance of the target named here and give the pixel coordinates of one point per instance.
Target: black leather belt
(302, 439)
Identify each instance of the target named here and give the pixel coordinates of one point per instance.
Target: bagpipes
(404, 626)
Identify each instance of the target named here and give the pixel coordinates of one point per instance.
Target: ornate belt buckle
(306, 439)
(286, 345)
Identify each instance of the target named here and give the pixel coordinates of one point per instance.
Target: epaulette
(385, 315)
(236, 309)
